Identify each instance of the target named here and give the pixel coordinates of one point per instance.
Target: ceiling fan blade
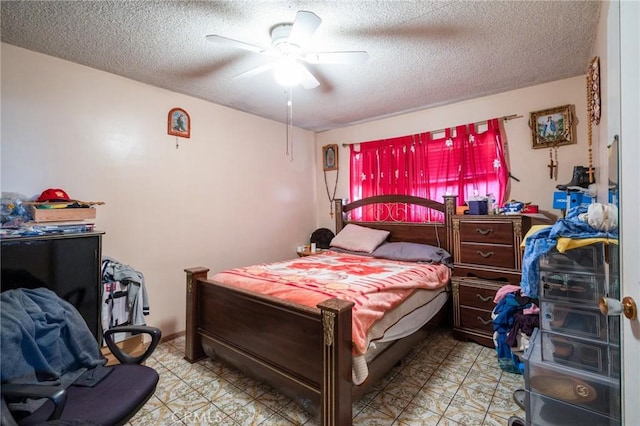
(345, 57)
(305, 24)
(236, 43)
(308, 80)
(255, 71)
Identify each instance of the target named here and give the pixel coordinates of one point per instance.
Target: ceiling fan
(287, 47)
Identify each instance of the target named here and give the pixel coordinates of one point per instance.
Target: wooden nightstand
(487, 255)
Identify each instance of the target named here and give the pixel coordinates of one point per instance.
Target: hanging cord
(289, 141)
(435, 228)
(332, 198)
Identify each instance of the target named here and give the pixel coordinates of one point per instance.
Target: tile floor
(442, 382)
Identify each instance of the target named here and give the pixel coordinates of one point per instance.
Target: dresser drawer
(502, 276)
(481, 298)
(486, 232)
(501, 256)
(476, 319)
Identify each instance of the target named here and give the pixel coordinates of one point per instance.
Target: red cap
(53, 194)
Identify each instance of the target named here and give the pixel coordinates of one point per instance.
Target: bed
(309, 352)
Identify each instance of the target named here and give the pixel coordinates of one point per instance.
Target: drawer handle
(485, 255)
(484, 299)
(484, 321)
(484, 231)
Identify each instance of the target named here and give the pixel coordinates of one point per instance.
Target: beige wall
(527, 164)
(227, 197)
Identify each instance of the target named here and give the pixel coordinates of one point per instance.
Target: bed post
(336, 359)
(340, 216)
(449, 211)
(192, 346)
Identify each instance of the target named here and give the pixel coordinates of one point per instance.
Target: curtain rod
(503, 118)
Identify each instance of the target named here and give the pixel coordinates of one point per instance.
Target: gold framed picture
(552, 127)
(330, 157)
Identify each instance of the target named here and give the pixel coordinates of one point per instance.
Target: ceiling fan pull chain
(289, 149)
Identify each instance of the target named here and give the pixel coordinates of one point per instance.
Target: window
(464, 163)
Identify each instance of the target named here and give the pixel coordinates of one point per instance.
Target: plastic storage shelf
(573, 387)
(588, 259)
(587, 322)
(572, 365)
(582, 354)
(563, 286)
(550, 412)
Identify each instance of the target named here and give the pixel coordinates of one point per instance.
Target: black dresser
(68, 264)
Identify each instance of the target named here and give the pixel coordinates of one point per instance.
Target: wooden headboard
(438, 234)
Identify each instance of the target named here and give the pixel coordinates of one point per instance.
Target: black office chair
(121, 391)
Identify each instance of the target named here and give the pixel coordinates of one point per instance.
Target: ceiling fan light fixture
(288, 72)
(288, 41)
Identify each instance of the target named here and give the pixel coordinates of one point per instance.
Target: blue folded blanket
(43, 337)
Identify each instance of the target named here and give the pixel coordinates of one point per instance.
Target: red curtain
(465, 163)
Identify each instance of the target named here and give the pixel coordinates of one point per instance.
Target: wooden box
(134, 346)
(62, 215)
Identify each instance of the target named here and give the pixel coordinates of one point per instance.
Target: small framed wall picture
(552, 127)
(179, 123)
(330, 157)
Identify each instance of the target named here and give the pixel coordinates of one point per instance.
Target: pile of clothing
(514, 318)
(45, 341)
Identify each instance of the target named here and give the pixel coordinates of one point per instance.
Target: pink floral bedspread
(373, 285)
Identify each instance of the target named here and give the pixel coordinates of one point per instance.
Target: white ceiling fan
(287, 47)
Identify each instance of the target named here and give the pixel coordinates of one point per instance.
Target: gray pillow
(413, 252)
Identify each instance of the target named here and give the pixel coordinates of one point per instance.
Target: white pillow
(359, 238)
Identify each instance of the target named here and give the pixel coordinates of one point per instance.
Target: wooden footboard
(303, 352)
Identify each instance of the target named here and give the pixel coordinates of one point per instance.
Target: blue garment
(43, 337)
(537, 245)
(545, 240)
(503, 316)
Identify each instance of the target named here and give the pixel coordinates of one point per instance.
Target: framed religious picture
(552, 127)
(179, 123)
(330, 157)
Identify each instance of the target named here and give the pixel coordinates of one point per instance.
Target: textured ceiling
(422, 53)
